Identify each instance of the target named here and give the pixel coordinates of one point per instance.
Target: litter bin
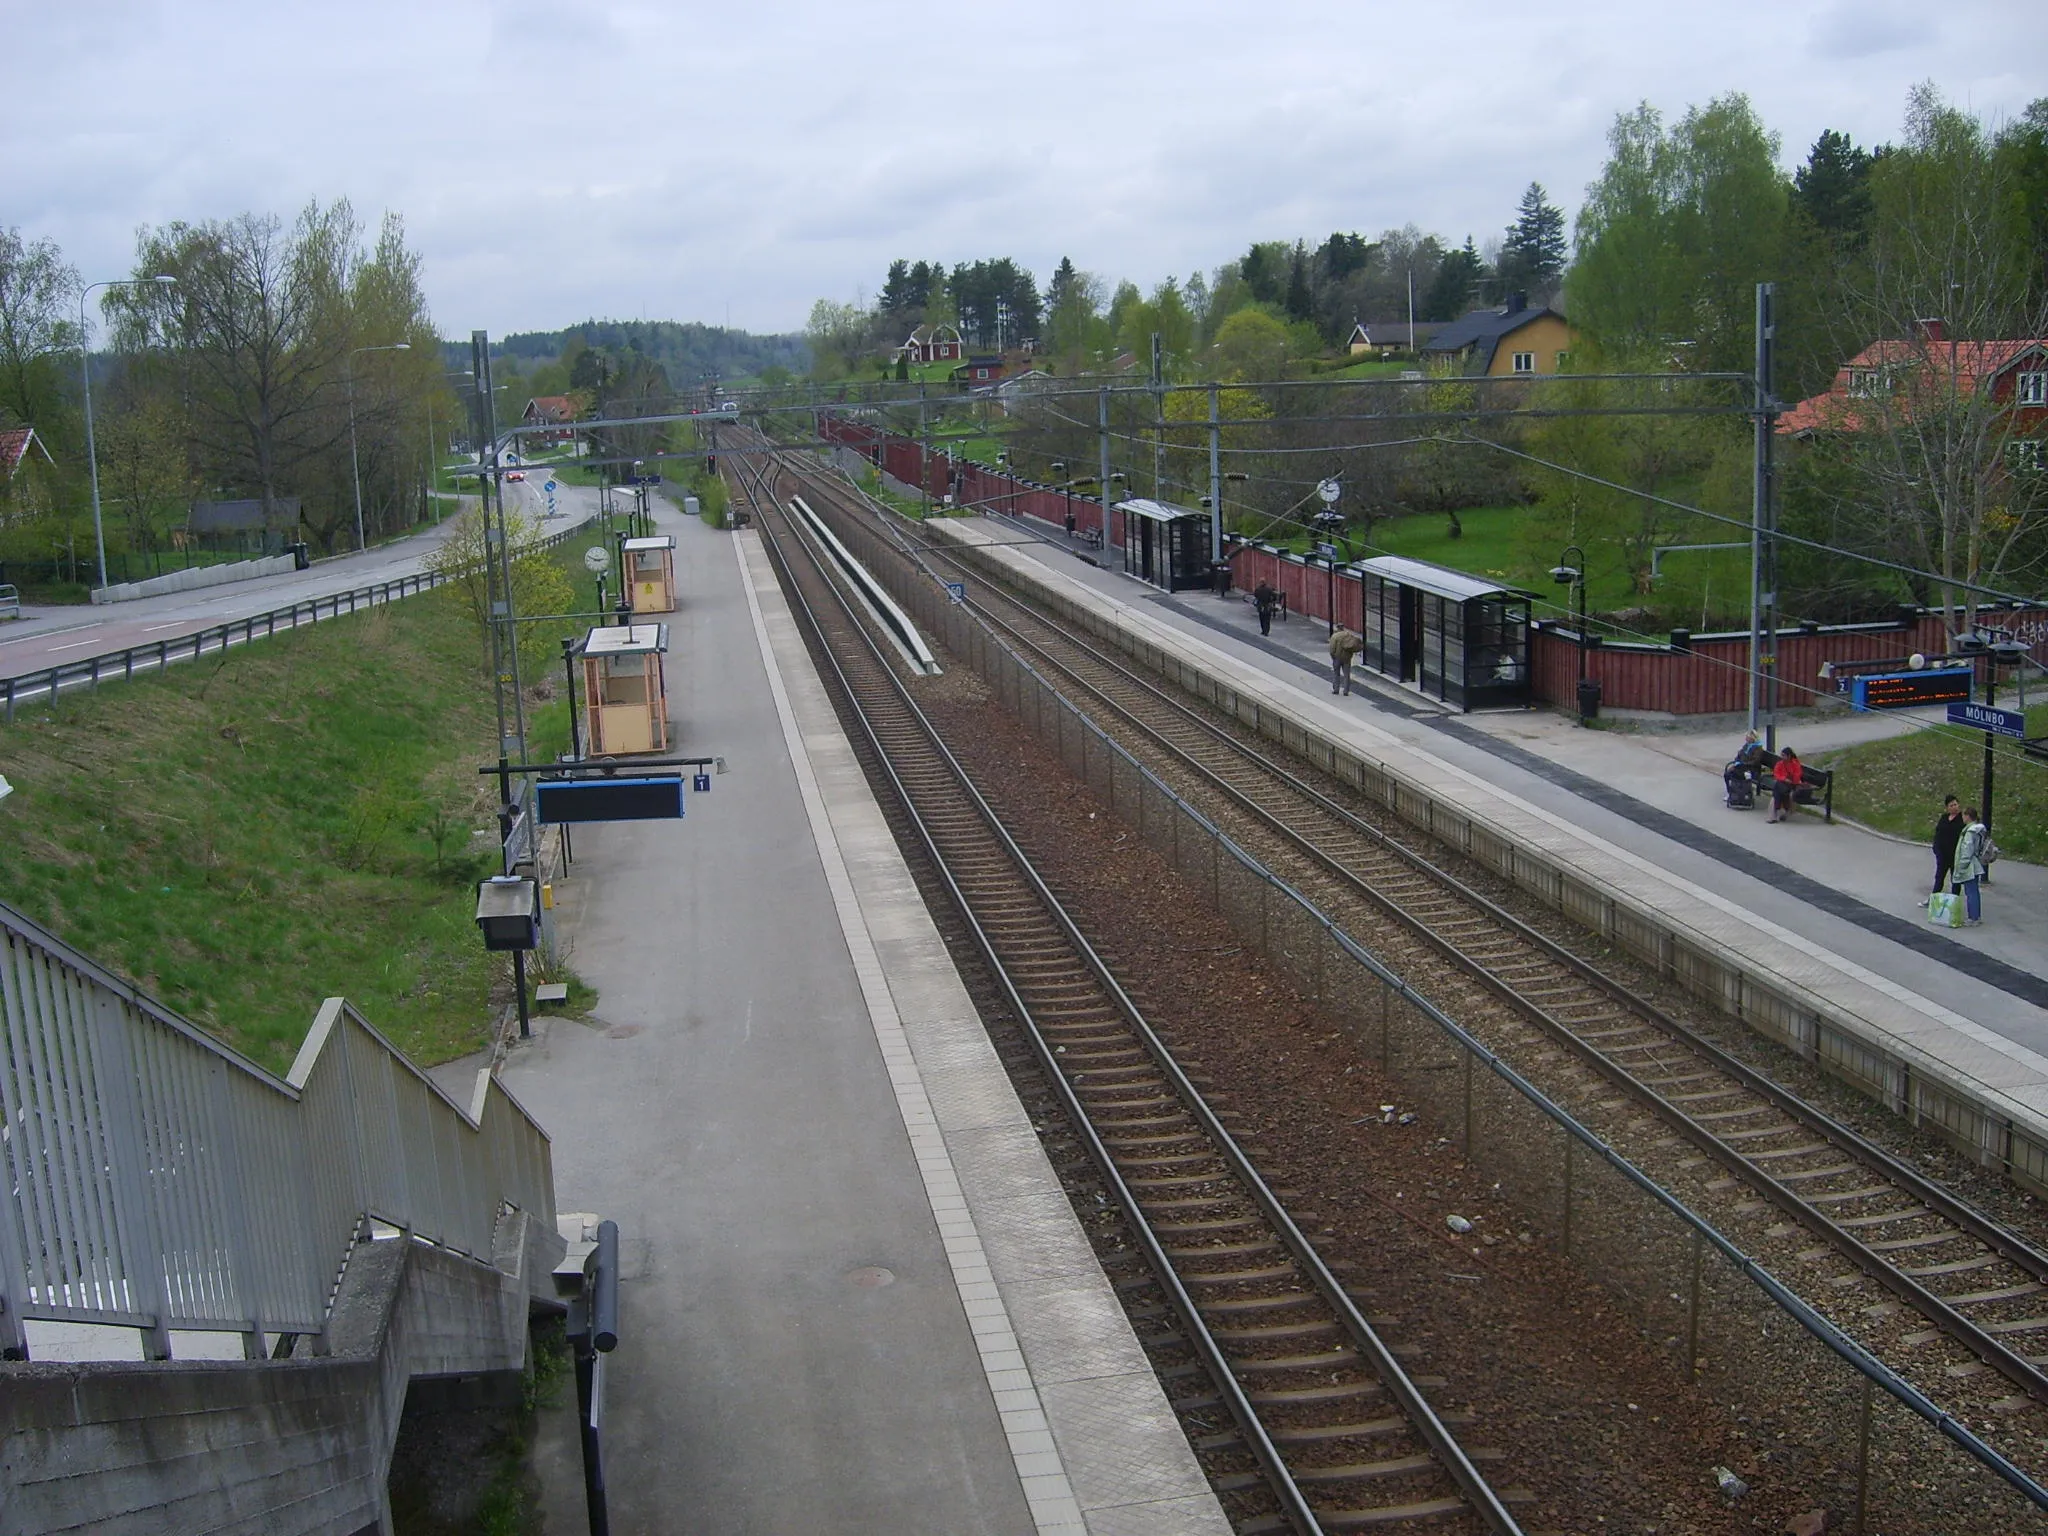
(302, 557)
(1220, 573)
(1589, 698)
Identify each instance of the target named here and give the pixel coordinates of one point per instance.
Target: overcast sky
(556, 160)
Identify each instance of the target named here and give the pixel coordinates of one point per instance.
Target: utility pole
(924, 452)
(1102, 440)
(1158, 419)
(1215, 478)
(1763, 546)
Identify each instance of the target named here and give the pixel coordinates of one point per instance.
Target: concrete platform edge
(1924, 1061)
(1097, 1448)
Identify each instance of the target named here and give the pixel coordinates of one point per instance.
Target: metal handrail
(91, 671)
(159, 1180)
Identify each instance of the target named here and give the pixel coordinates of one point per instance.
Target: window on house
(2033, 389)
(2029, 454)
(1525, 362)
(1562, 359)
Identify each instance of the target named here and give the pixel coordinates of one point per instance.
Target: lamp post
(99, 537)
(1570, 571)
(1327, 521)
(2001, 653)
(355, 469)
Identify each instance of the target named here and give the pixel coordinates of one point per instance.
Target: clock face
(1329, 490)
(595, 559)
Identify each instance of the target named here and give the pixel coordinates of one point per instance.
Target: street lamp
(1570, 571)
(99, 537)
(348, 369)
(1328, 521)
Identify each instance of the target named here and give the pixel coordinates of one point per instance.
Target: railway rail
(1972, 1280)
(1326, 1431)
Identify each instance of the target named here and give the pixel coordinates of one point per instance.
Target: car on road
(517, 474)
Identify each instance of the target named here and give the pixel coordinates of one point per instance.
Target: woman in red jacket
(1785, 778)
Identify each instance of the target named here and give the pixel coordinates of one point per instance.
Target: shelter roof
(1437, 579)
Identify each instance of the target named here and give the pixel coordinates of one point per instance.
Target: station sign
(1988, 717)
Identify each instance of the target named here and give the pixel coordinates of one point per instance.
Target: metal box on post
(625, 692)
(650, 573)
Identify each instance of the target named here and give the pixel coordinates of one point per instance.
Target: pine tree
(1456, 278)
(1301, 303)
(1532, 256)
(1833, 188)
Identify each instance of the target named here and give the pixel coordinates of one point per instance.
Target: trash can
(302, 557)
(1589, 698)
(1220, 573)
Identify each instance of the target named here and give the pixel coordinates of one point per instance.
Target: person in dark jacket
(1265, 599)
(1948, 830)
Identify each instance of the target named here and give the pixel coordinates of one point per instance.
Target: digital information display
(1900, 690)
(578, 800)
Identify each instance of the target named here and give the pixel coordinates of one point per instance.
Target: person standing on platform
(1343, 646)
(1948, 831)
(1786, 777)
(1969, 867)
(1265, 599)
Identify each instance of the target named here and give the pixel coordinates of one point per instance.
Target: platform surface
(855, 1297)
(1836, 906)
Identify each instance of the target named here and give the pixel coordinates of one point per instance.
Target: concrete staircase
(359, 1230)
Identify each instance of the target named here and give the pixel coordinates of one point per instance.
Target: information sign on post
(957, 591)
(1988, 717)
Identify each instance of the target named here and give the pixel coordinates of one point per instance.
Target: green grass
(246, 835)
(1898, 785)
(1371, 368)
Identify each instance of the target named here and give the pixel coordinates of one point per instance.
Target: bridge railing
(156, 1180)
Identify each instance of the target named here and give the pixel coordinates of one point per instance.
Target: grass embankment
(248, 834)
(1898, 785)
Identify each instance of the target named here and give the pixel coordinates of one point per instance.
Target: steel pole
(1763, 597)
(354, 465)
(1215, 480)
(99, 537)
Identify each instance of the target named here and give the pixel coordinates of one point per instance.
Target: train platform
(1832, 906)
(854, 1295)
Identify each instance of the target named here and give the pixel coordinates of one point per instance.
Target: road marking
(150, 629)
(74, 644)
(44, 634)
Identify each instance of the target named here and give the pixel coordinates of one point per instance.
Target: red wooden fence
(1707, 675)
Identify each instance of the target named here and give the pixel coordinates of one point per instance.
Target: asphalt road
(49, 635)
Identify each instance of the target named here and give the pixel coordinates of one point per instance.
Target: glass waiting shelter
(650, 573)
(625, 694)
(1166, 545)
(1459, 638)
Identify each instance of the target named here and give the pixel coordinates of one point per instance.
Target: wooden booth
(1166, 545)
(625, 695)
(650, 573)
(1459, 638)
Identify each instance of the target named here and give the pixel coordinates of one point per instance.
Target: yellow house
(1508, 342)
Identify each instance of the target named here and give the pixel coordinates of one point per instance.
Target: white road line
(44, 634)
(74, 645)
(150, 629)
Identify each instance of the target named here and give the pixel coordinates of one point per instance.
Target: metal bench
(10, 601)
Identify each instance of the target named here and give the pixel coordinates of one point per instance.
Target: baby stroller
(1739, 779)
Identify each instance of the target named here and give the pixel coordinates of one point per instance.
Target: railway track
(1955, 1274)
(1299, 1406)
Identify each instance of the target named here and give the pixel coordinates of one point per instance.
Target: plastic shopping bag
(1945, 909)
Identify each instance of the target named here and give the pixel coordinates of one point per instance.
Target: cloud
(556, 159)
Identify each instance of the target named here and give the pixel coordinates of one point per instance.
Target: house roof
(1393, 333)
(552, 407)
(1482, 331)
(15, 443)
(1970, 363)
